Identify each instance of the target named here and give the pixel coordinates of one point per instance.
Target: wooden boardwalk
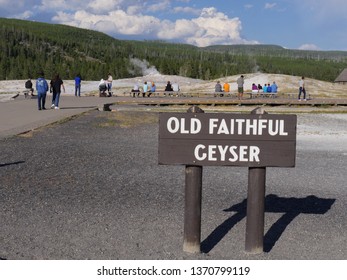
(166, 101)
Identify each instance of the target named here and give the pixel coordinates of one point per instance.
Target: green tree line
(26, 48)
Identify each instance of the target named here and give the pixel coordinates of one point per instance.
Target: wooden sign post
(255, 206)
(192, 204)
(255, 141)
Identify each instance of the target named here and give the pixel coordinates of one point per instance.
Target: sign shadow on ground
(290, 207)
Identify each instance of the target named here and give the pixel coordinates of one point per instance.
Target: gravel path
(91, 188)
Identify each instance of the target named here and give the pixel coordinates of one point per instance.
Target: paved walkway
(21, 115)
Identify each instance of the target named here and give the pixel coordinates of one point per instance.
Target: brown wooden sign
(266, 140)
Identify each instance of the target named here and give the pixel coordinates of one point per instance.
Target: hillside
(29, 47)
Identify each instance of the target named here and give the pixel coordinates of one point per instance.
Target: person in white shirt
(302, 88)
(109, 84)
(175, 88)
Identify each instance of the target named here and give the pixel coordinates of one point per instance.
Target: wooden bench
(160, 93)
(261, 94)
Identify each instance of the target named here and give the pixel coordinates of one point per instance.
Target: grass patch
(129, 119)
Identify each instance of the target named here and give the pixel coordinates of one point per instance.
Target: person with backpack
(41, 88)
(29, 86)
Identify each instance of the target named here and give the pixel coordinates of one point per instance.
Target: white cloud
(103, 6)
(182, 28)
(270, 5)
(116, 22)
(187, 10)
(216, 28)
(161, 6)
(25, 15)
(309, 47)
(133, 10)
(210, 27)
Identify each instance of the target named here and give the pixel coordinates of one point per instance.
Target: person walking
(41, 88)
(54, 94)
(240, 82)
(302, 88)
(78, 80)
(56, 84)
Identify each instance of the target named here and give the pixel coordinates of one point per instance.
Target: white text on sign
(232, 126)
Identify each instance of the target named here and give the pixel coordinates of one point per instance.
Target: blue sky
(294, 24)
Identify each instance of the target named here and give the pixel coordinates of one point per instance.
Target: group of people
(175, 88)
(147, 88)
(267, 88)
(218, 88)
(150, 88)
(240, 87)
(106, 85)
(55, 86)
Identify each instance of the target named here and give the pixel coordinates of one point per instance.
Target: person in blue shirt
(268, 89)
(78, 80)
(41, 88)
(153, 89)
(145, 89)
(265, 88)
(274, 87)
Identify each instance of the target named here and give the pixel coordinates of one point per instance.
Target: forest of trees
(30, 47)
